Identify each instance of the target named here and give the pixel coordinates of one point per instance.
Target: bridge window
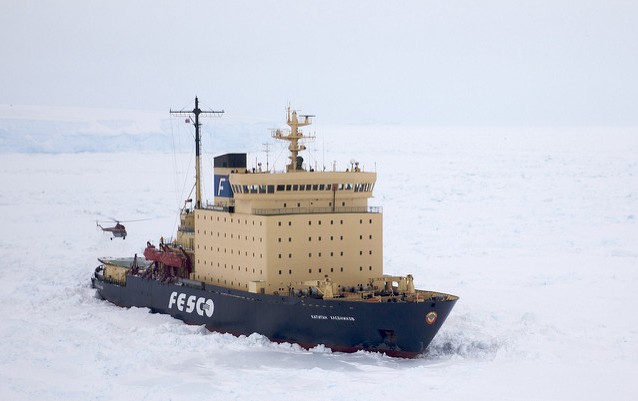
(271, 189)
(280, 187)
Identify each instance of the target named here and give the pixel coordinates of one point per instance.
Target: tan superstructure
(276, 232)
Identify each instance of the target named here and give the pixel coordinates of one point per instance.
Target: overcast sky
(554, 62)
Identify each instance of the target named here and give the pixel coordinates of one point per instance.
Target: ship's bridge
(309, 192)
(304, 192)
(302, 185)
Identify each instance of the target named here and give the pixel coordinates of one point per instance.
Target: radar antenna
(267, 150)
(294, 135)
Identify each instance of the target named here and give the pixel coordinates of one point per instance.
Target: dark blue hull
(395, 328)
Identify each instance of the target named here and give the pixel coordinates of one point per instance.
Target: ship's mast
(197, 111)
(294, 135)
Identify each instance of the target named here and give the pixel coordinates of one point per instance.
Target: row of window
(232, 252)
(272, 188)
(332, 222)
(261, 272)
(232, 220)
(319, 221)
(319, 254)
(319, 270)
(319, 238)
(232, 236)
(232, 267)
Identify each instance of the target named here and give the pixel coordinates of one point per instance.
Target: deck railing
(318, 210)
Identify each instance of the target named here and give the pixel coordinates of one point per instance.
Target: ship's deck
(348, 296)
(126, 262)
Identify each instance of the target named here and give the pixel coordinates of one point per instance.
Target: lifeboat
(164, 256)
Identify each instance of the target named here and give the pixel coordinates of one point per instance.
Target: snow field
(535, 229)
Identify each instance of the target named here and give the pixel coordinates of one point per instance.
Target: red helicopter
(118, 231)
